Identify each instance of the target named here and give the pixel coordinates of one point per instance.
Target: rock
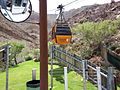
(97, 13)
(117, 50)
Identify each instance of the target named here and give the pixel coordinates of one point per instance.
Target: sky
(52, 4)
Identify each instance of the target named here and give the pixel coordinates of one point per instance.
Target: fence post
(65, 78)
(52, 52)
(86, 69)
(7, 65)
(99, 78)
(60, 53)
(104, 53)
(110, 79)
(84, 74)
(52, 57)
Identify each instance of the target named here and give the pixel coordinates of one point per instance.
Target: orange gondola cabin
(61, 32)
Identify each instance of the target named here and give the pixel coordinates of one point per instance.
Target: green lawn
(19, 75)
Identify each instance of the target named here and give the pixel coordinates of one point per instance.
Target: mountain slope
(27, 31)
(12, 31)
(96, 13)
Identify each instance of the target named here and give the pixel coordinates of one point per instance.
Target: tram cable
(66, 4)
(71, 2)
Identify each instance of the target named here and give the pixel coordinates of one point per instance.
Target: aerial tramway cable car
(61, 32)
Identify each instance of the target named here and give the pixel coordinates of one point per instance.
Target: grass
(19, 75)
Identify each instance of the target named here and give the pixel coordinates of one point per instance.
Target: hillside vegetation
(27, 32)
(88, 36)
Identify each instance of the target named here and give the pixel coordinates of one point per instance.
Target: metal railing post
(110, 79)
(52, 52)
(99, 78)
(52, 57)
(84, 74)
(86, 69)
(7, 65)
(65, 78)
(51, 74)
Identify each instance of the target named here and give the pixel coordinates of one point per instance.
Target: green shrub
(89, 35)
(28, 57)
(36, 55)
(33, 54)
(15, 49)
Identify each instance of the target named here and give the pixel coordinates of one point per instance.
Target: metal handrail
(90, 65)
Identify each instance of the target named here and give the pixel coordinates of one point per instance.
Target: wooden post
(43, 45)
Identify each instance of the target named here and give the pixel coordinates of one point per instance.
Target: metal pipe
(43, 45)
(84, 75)
(7, 66)
(65, 79)
(34, 74)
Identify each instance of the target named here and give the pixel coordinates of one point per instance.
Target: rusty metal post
(104, 54)
(43, 45)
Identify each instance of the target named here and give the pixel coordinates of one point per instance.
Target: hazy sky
(52, 4)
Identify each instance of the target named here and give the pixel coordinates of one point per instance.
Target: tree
(15, 49)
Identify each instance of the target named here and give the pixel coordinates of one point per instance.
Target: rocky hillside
(18, 31)
(27, 31)
(96, 13)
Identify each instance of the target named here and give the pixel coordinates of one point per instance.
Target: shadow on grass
(4, 69)
(14, 66)
(58, 73)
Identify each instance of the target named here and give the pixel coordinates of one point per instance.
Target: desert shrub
(15, 49)
(88, 36)
(32, 54)
(28, 57)
(36, 55)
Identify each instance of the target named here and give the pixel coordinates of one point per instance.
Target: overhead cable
(65, 5)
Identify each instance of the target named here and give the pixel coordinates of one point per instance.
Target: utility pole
(43, 45)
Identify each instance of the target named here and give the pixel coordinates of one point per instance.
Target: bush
(88, 36)
(15, 49)
(28, 58)
(36, 55)
(32, 54)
